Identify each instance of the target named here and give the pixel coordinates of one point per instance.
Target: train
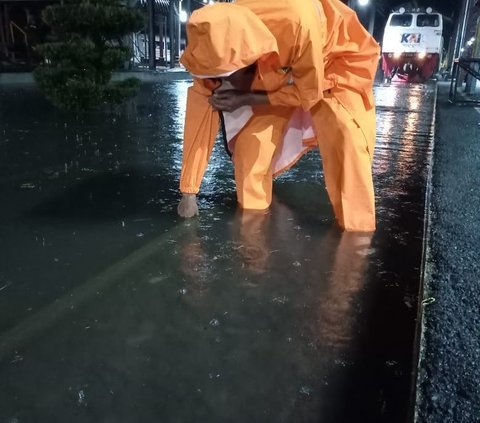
(412, 46)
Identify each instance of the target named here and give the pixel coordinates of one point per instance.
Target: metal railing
(14, 26)
(468, 68)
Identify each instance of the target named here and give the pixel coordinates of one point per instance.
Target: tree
(77, 68)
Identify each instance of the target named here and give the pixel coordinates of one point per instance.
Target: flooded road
(112, 309)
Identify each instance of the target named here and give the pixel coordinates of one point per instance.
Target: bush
(77, 68)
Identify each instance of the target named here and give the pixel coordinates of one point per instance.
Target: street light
(183, 16)
(354, 3)
(369, 6)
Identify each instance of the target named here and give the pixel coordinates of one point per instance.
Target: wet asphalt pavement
(112, 309)
(449, 380)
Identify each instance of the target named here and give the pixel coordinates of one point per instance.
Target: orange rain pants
(347, 155)
(345, 149)
(255, 147)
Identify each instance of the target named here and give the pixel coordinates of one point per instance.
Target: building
(21, 28)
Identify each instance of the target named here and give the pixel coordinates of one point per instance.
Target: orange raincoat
(317, 64)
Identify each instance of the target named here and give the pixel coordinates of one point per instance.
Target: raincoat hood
(223, 38)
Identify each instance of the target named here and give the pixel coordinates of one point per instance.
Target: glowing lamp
(183, 16)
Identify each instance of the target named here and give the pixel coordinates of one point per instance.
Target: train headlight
(397, 54)
(422, 55)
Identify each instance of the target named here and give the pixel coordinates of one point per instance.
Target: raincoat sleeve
(305, 87)
(201, 128)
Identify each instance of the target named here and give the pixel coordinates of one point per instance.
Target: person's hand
(188, 206)
(228, 101)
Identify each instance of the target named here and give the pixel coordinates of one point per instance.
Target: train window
(405, 19)
(428, 20)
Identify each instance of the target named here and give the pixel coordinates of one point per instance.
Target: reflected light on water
(404, 140)
(346, 279)
(400, 126)
(414, 99)
(179, 93)
(387, 96)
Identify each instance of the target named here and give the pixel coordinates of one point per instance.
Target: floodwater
(112, 309)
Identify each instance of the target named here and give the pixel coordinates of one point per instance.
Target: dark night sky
(446, 7)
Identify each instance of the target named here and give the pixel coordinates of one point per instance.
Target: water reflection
(271, 255)
(235, 316)
(404, 136)
(179, 92)
(252, 229)
(348, 276)
(194, 262)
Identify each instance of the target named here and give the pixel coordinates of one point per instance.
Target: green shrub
(77, 68)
